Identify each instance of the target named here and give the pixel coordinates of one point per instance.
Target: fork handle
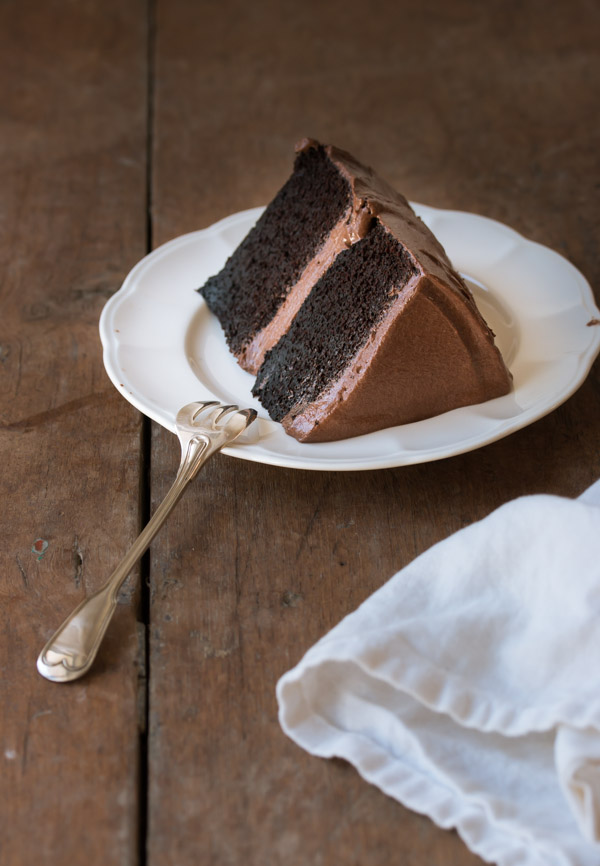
(71, 651)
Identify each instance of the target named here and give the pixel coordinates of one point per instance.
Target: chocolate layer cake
(348, 310)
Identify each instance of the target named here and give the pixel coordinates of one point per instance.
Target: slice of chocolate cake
(348, 308)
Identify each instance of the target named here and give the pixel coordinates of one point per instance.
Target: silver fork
(203, 429)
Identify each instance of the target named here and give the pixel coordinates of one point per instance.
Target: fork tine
(210, 416)
(249, 415)
(225, 410)
(202, 406)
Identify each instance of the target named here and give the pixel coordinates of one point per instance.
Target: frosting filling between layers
(347, 232)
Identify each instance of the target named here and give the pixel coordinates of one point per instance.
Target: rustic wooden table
(125, 123)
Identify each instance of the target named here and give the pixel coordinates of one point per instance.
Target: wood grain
(72, 139)
(125, 115)
(481, 107)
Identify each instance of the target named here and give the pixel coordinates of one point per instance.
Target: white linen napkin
(468, 686)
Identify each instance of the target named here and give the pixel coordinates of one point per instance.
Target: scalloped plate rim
(303, 456)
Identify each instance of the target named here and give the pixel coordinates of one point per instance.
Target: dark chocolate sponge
(247, 293)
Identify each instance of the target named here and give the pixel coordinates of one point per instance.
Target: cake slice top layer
(255, 281)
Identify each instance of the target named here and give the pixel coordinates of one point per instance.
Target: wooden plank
(458, 109)
(73, 164)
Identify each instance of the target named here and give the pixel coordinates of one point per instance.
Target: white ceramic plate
(163, 348)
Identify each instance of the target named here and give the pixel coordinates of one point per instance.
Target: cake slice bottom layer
(334, 323)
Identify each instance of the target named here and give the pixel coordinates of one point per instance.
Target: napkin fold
(468, 686)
